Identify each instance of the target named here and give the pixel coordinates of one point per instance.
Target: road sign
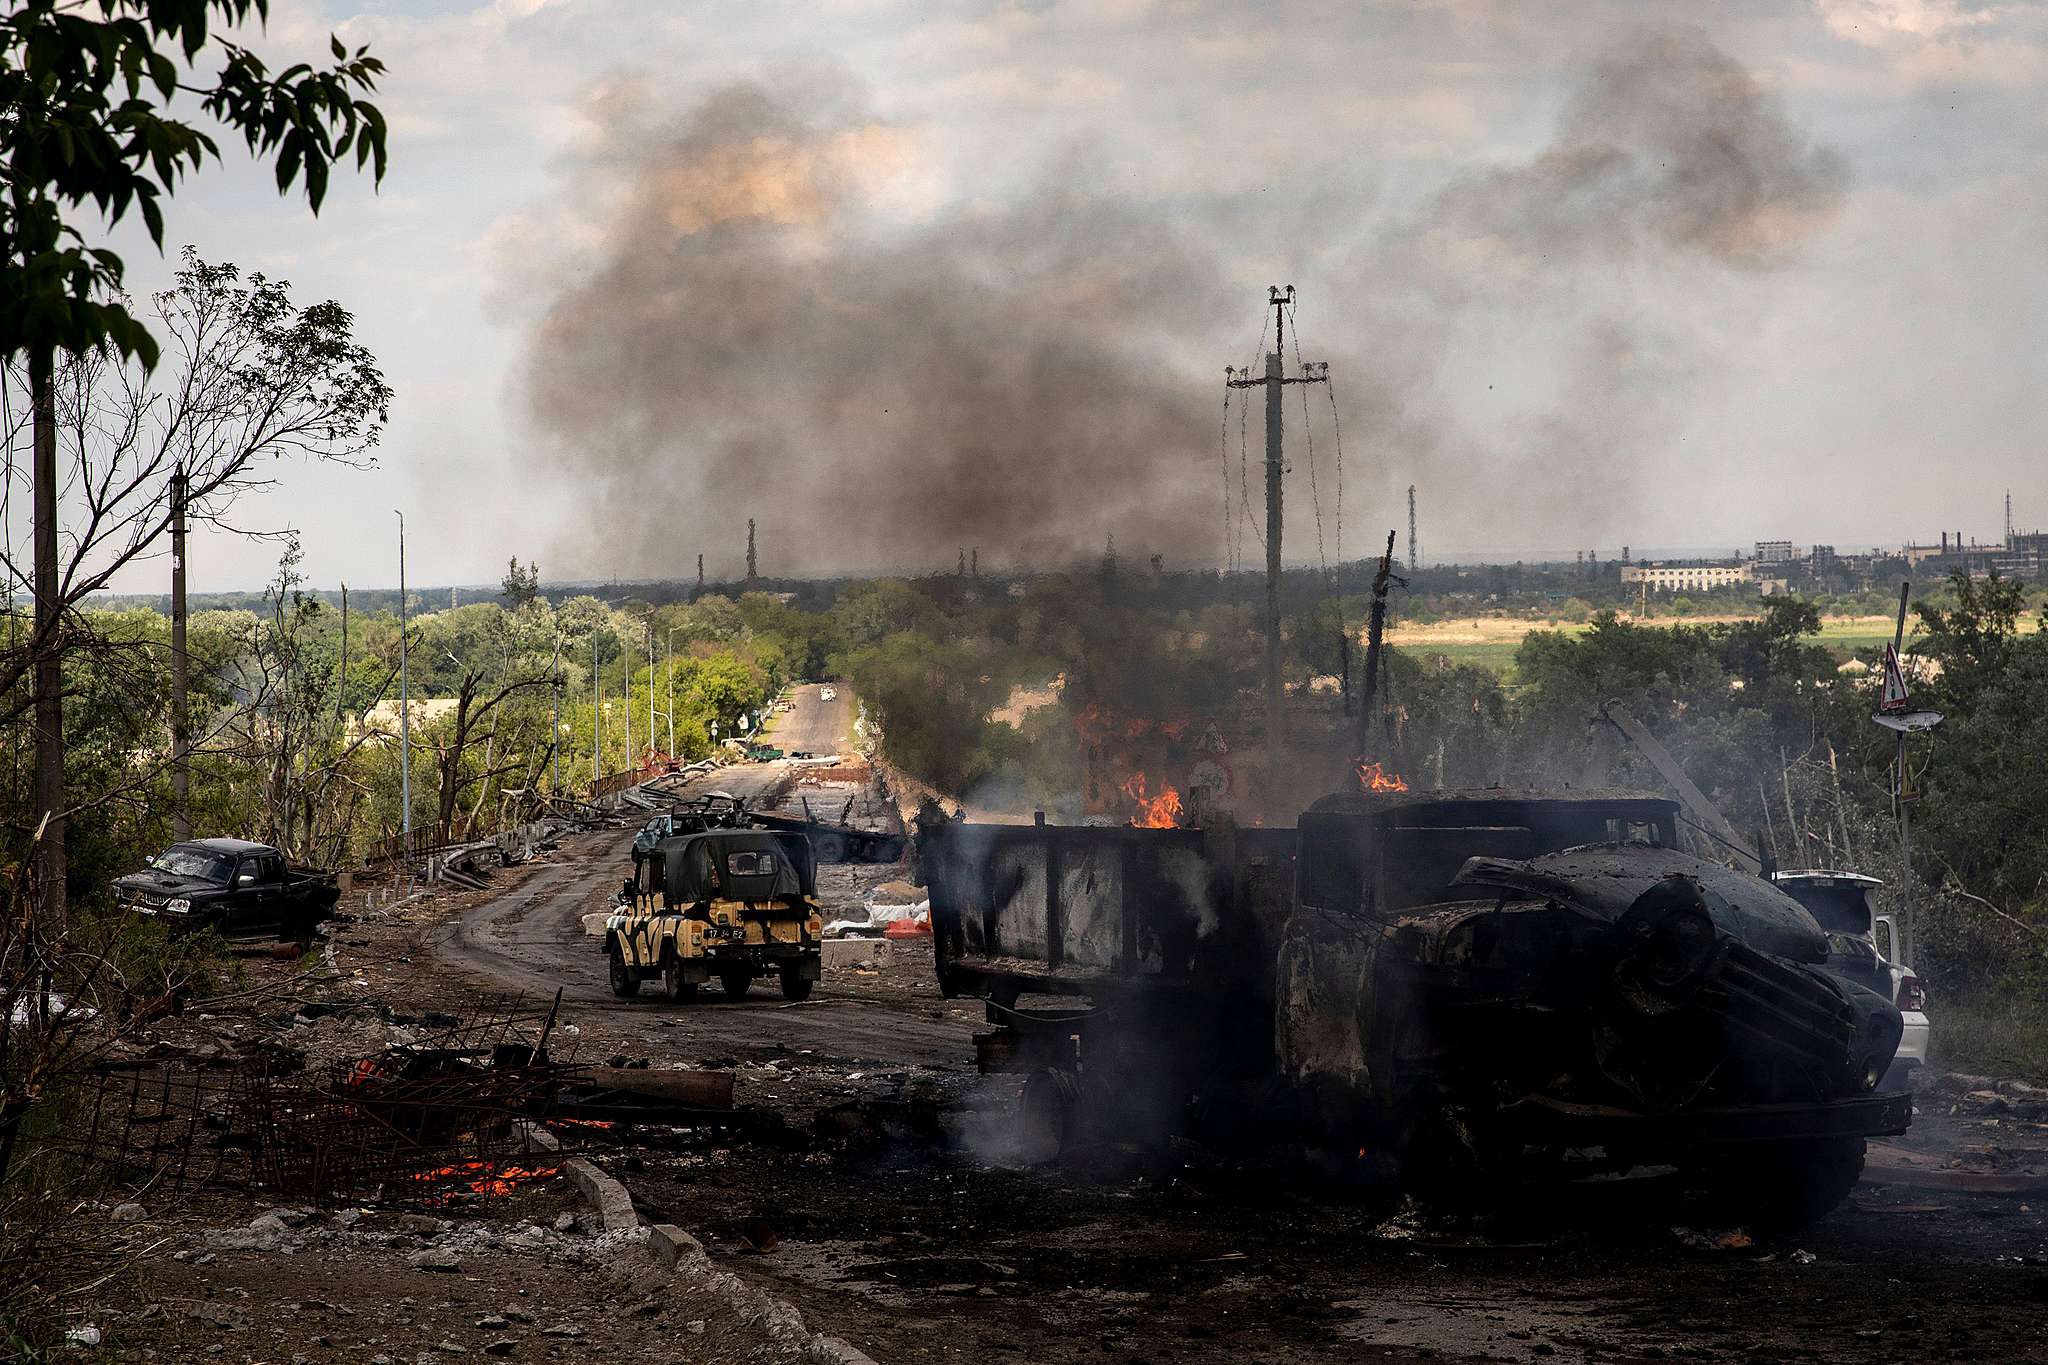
(1908, 721)
(1894, 695)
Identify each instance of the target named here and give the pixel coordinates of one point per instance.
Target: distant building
(1684, 577)
(1775, 552)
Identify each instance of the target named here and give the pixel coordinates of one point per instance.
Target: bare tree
(482, 738)
(245, 376)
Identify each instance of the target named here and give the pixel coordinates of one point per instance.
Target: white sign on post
(1893, 698)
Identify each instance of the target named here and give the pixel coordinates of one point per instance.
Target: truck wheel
(625, 982)
(1785, 1185)
(672, 983)
(795, 987)
(735, 980)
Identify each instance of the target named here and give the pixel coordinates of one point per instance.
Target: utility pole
(404, 703)
(1902, 796)
(1375, 638)
(181, 727)
(1413, 554)
(751, 563)
(1273, 381)
(341, 686)
(700, 577)
(596, 718)
(650, 688)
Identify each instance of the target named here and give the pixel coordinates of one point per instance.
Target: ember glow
(485, 1177)
(1373, 778)
(1154, 812)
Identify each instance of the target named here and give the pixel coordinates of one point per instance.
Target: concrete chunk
(670, 1244)
(603, 1194)
(848, 952)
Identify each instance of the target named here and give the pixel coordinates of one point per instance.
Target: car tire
(672, 983)
(625, 982)
(1785, 1185)
(736, 981)
(795, 986)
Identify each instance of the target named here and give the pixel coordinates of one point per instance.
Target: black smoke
(750, 338)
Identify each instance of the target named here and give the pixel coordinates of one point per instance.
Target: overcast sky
(1587, 274)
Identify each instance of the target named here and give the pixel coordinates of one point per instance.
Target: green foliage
(87, 88)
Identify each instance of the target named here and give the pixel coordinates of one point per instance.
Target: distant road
(814, 725)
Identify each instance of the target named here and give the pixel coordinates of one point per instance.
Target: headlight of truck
(180, 906)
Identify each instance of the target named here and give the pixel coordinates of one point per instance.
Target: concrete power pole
(404, 703)
(1273, 381)
(181, 727)
(1413, 554)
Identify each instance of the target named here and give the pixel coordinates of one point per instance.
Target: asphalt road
(814, 725)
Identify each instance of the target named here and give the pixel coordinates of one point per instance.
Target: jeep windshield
(184, 860)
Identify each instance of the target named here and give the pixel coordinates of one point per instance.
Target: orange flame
(1373, 778)
(1157, 812)
(488, 1177)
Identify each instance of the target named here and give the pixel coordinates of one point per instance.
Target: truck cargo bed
(1089, 910)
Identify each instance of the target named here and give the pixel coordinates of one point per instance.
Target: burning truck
(1466, 989)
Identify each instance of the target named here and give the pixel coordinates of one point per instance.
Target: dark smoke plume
(751, 340)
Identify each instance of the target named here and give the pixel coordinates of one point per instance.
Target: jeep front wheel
(625, 982)
(672, 983)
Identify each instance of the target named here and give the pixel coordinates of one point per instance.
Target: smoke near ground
(751, 334)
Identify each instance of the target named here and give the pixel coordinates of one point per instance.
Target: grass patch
(1496, 657)
(2000, 1035)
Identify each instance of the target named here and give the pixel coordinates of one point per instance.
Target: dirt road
(531, 940)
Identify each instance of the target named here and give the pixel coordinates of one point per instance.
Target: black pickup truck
(229, 885)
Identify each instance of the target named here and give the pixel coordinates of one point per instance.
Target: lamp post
(672, 690)
(555, 740)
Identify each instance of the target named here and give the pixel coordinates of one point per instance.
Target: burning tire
(1045, 1114)
(1782, 1184)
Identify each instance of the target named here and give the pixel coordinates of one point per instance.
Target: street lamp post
(672, 691)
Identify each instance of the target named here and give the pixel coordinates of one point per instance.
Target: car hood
(154, 885)
(1603, 880)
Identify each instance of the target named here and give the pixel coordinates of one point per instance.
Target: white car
(1859, 949)
(828, 694)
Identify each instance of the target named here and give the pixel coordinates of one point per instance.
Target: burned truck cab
(1487, 978)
